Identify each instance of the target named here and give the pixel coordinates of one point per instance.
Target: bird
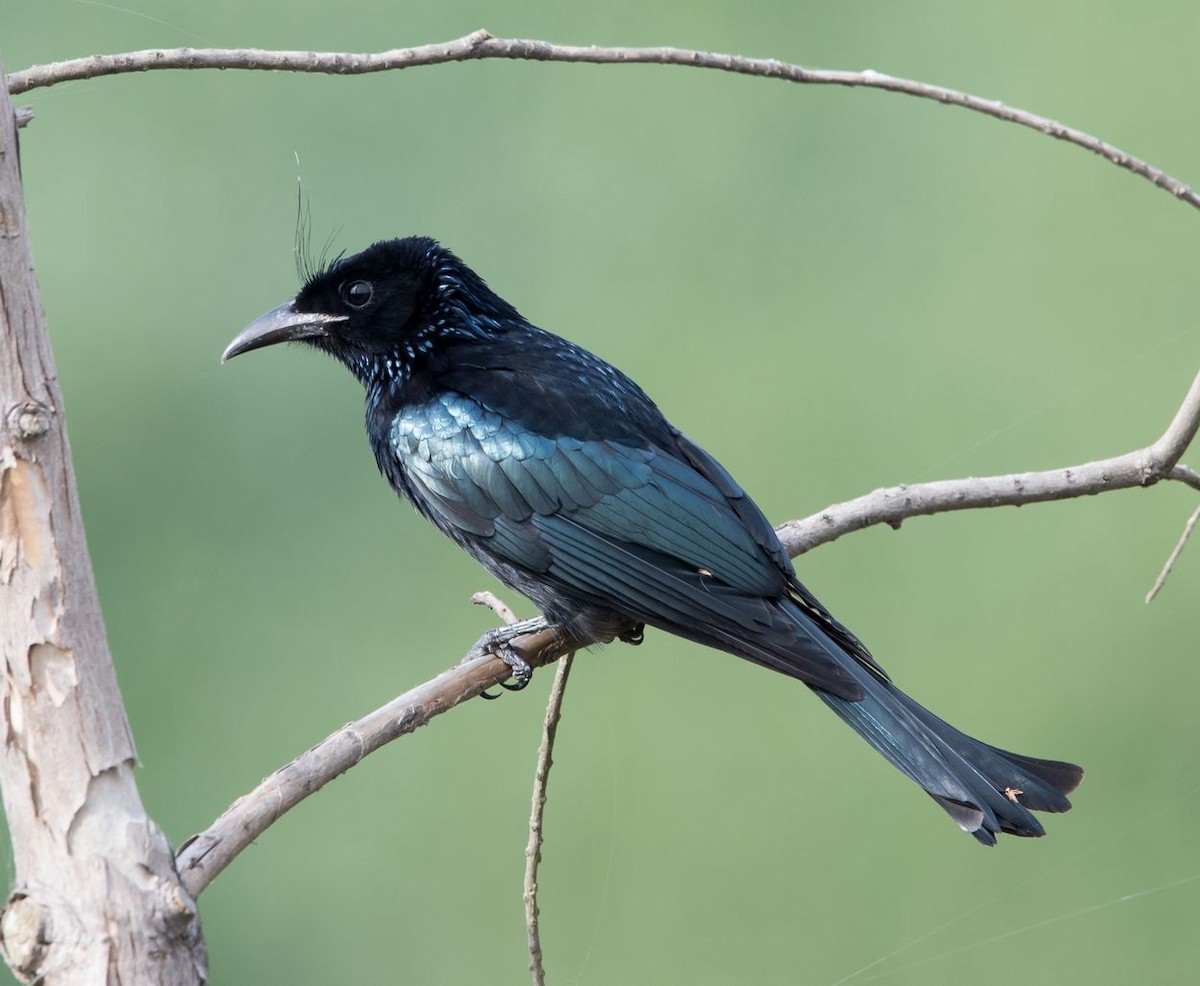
(557, 472)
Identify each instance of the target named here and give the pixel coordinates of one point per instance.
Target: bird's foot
(634, 635)
(499, 642)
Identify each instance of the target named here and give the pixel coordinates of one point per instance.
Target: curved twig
(1142, 467)
(481, 45)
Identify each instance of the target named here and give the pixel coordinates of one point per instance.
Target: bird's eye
(357, 294)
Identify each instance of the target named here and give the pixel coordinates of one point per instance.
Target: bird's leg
(499, 642)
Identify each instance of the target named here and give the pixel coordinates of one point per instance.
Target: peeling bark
(96, 897)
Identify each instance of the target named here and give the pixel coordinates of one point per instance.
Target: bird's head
(382, 311)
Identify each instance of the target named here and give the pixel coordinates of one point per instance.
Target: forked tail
(984, 789)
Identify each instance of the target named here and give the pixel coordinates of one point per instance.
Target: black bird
(562, 478)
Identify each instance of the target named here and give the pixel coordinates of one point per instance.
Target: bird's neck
(386, 381)
(379, 374)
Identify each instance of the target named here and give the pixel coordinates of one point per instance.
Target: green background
(833, 291)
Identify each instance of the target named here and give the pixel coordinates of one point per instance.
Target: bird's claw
(521, 671)
(499, 642)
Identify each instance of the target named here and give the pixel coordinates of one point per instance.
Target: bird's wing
(637, 530)
(764, 535)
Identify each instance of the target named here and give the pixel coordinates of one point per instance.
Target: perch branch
(480, 45)
(205, 855)
(202, 857)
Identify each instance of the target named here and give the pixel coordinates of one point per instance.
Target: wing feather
(634, 530)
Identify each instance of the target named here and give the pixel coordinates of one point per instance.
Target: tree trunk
(96, 898)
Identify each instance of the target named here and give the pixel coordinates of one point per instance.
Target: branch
(541, 780)
(204, 856)
(533, 849)
(1142, 467)
(481, 45)
(1174, 556)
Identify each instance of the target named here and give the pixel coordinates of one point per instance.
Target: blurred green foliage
(833, 291)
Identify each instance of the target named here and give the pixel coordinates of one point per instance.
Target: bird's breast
(451, 426)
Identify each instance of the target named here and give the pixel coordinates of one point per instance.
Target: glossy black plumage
(560, 475)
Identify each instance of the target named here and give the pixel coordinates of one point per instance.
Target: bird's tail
(984, 789)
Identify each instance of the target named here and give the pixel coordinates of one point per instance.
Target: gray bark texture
(96, 897)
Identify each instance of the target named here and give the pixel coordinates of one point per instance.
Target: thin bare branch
(1174, 556)
(1142, 467)
(533, 849)
(496, 605)
(541, 777)
(481, 45)
(202, 857)
(1186, 475)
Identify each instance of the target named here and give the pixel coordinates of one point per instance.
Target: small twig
(1141, 467)
(1170, 563)
(533, 849)
(541, 777)
(481, 45)
(496, 605)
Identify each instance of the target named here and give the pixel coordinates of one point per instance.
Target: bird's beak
(282, 324)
